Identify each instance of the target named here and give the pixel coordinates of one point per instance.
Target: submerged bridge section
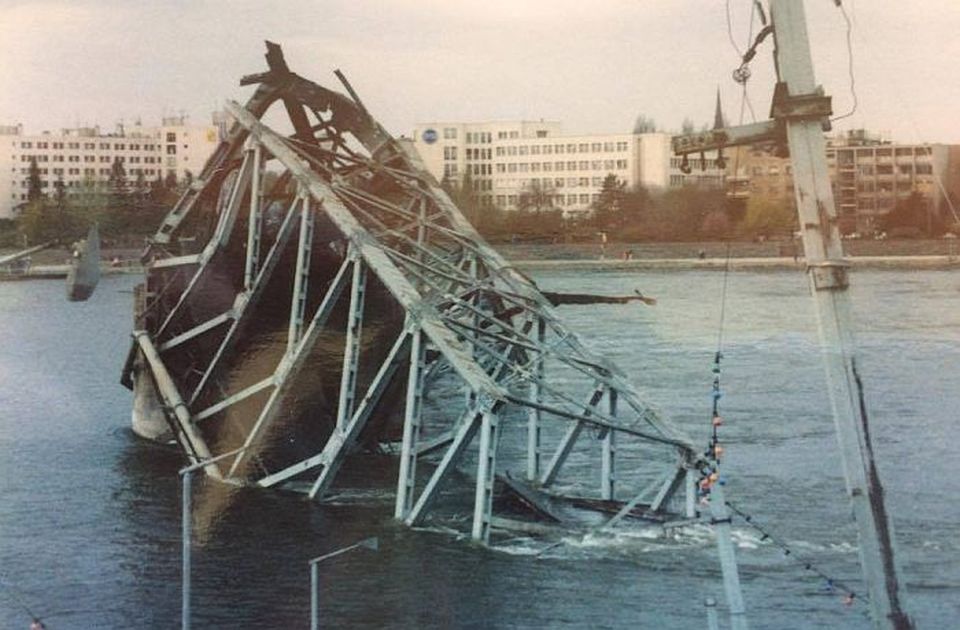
(315, 295)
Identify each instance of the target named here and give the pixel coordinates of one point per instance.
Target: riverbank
(54, 272)
(899, 254)
(912, 254)
(753, 263)
(721, 250)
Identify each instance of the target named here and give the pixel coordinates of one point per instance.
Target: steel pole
(186, 525)
(712, 622)
(720, 519)
(314, 596)
(186, 540)
(828, 283)
(370, 543)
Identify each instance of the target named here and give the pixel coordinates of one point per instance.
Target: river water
(89, 514)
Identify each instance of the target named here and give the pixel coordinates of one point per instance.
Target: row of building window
(887, 169)
(133, 159)
(849, 156)
(482, 185)
(557, 200)
(551, 182)
(88, 146)
(886, 151)
(477, 137)
(450, 153)
(700, 180)
(709, 163)
(559, 149)
(477, 154)
(480, 169)
(583, 165)
(86, 172)
(882, 187)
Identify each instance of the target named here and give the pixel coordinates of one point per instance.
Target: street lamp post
(186, 475)
(369, 543)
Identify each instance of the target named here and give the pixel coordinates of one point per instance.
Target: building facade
(869, 175)
(83, 157)
(503, 161)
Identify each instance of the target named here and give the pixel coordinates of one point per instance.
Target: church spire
(718, 122)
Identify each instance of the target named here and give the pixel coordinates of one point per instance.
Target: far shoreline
(675, 264)
(716, 255)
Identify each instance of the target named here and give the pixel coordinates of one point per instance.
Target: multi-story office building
(84, 156)
(505, 160)
(869, 175)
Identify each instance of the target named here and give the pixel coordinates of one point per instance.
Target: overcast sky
(594, 65)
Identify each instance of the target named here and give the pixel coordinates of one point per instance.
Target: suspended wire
(830, 583)
(746, 99)
(744, 95)
(853, 78)
(17, 597)
(733, 41)
(723, 301)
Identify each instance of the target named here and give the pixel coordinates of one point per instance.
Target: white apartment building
(505, 159)
(86, 155)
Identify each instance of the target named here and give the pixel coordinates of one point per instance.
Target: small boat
(84, 273)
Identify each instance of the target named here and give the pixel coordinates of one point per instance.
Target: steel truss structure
(337, 287)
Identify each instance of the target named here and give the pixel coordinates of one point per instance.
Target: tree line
(123, 208)
(688, 213)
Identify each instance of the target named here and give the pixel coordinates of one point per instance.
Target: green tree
(635, 205)
(170, 181)
(140, 185)
(914, 215)
(35, 220)
(159, 193)
(463, 195)
(34, 187)
(643, 124)
(61, 208)
(608, 208)
(117, 181)
(766, 217)
(535, 196)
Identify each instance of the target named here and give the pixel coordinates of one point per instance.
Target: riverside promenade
(858, 262)
(904, 254)
(913, 254)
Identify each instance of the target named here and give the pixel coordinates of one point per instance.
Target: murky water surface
(89, 516)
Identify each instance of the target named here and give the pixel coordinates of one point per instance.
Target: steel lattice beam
(370, 218)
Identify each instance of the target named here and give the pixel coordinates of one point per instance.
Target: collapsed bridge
(341, 303)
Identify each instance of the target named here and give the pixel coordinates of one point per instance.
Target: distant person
(701, 254)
